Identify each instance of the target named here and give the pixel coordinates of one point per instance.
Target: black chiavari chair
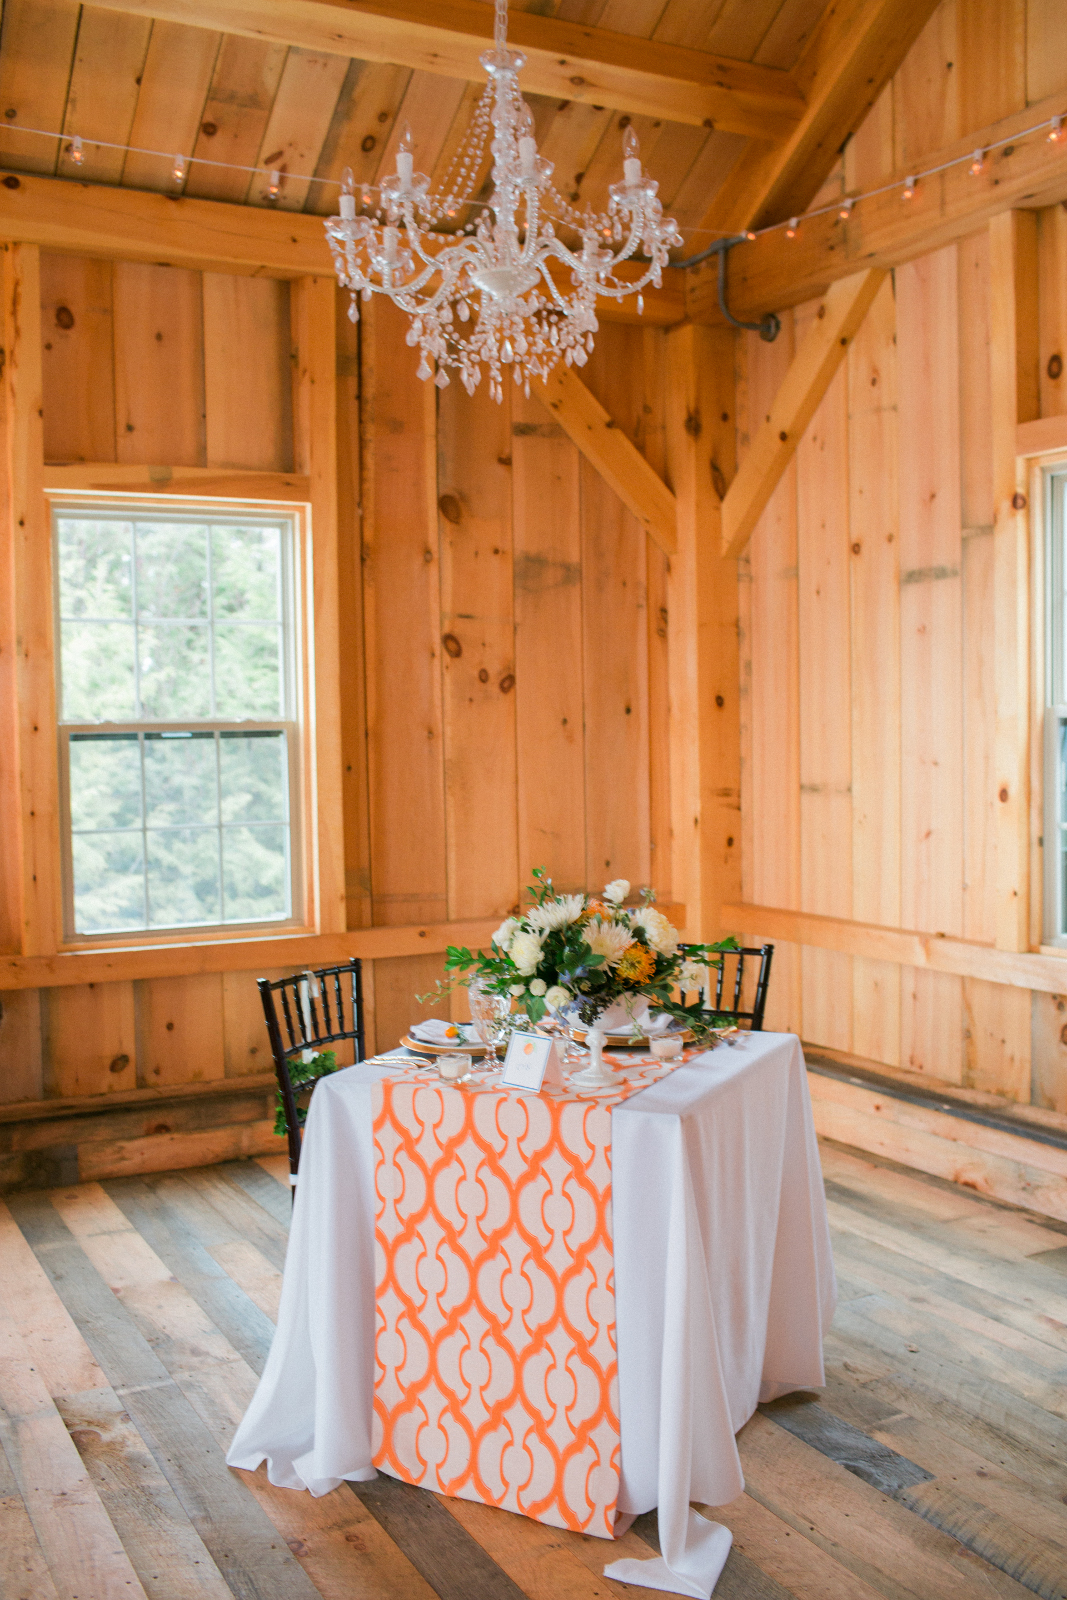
(732, 1008)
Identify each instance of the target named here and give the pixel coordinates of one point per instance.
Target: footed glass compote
(489, 1012)
(597, 1075)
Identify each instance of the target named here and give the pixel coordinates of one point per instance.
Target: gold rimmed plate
(471, 1047)
(626, 1041)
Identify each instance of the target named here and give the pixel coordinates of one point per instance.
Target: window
(1055, 850)
(177, 718)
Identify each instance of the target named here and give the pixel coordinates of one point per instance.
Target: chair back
(732, 1008)
(318, 1007)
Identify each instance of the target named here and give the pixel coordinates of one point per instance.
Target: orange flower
(636, 964)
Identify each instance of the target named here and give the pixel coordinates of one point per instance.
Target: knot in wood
(450, 508)
(452, 645)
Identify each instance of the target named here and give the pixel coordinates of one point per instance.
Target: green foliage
(303, 1075)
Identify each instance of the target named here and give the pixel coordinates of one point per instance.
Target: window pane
(172, 579)
(108, 882)
(246, 568)
(175, 672)
(256, 873)
(180, 779)
(254, 777)
(248, 678)
(183, 877)
(97, 668)
(95, 568)
(105, 781)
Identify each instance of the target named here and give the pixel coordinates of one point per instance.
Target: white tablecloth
(724, 1285)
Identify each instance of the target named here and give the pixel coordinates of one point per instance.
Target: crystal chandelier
(483, 292)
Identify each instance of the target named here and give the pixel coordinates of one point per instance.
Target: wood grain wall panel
(549, 685)
(366, 108)
(990, 60)
(402, 620)
(247, 373)
(1046, 49)
(180, 1030)
(478, 657)
(159, 365)
(297, 127)
(21, 1056)
(242, 91)
(870, 154)
(105, 82)
(996, 1039)
(825, 710)
(931, 650)
(926, 101)
(774, 779)
(745, 426)
(352, 660)
(874, 586)
(398, 983)
(175, 80)
(657, 569)
(1052, 310)
(976, 412)
(979, 738)
(245, 1043)
(38, 42)
(89, 1039)
(1048, 1060)
(78, 358)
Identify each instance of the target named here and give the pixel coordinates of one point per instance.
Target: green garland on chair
(303, 1075)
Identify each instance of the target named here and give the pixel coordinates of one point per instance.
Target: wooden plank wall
(502, 651)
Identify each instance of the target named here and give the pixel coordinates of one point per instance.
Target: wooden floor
(135, 1315)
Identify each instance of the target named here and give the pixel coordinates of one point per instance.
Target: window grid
(274, 829)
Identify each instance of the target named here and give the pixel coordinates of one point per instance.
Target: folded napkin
(435, 1030)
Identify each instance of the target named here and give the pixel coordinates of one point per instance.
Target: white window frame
(293, 723)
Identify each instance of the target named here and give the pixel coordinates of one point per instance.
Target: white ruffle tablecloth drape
(724, 1285)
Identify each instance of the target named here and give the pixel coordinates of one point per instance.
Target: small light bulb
(845, 209)
(791, 228)
(910, 186)
(1057, 131)
(977, 163)
(750, 236)
(179, 168)
(367, 198)
(275, 184)
(77, 154)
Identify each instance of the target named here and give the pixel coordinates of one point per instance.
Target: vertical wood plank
(549, 687)
(874, 588)
(315, 440)
(1052, 311)
(979, 739)
(78, 358)
(90, 1039)
(21, 1071)
(997, 1023)
(1048, 1066)
(825, 707)
(926, 109)
(34, 78)
(774, 693)
(1014, 383)
(159, 365)
(702, 632)
(398, 982)
(175, 79)
(401, 604)
(990, 60)
(931, 650)
(30, 782)
(976, 415)
(180, 1030)
(351, 658)
(1046, 49)
(247, 375)
(657, 575)
(246, 1047)
(478, 675)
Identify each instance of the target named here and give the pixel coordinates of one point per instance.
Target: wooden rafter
(563, 59)
(774, 272)
(854, 51)
(131, 225)
(618, 461)
(821, 353)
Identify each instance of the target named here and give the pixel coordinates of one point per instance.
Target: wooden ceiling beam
(854, 51)
(563, 59)
(773, 272)
(213, 235)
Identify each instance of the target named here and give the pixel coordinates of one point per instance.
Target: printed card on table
(532, 1060)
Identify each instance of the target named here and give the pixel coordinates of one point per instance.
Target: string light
(179, 169)
(845, 209)
(275, 184)
(977, 163)
(750, 236)
(77, 154)
(910, 186)
(1057, 131)
(791, 228)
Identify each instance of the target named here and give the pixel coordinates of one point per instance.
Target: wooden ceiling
(125, 77)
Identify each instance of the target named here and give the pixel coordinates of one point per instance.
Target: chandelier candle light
(486, 295)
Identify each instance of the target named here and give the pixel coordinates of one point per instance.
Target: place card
(532, 1060)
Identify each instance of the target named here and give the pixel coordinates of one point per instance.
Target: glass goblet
(489, 1012)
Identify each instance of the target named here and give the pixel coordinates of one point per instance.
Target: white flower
(556, 913)
(607, 939)
(505, 933)
(692, 976)
(525, 951)
(556, 997)
(538, 986)
(517, 989)
(617, 890)
(661, 935)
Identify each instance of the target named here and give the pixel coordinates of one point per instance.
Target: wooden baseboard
(1013, 1153)
(149, 1130)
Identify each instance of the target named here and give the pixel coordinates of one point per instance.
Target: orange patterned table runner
(495, 1371)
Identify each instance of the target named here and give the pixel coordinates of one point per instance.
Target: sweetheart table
(723, 1287)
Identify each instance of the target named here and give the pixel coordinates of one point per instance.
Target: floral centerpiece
(581, 954)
